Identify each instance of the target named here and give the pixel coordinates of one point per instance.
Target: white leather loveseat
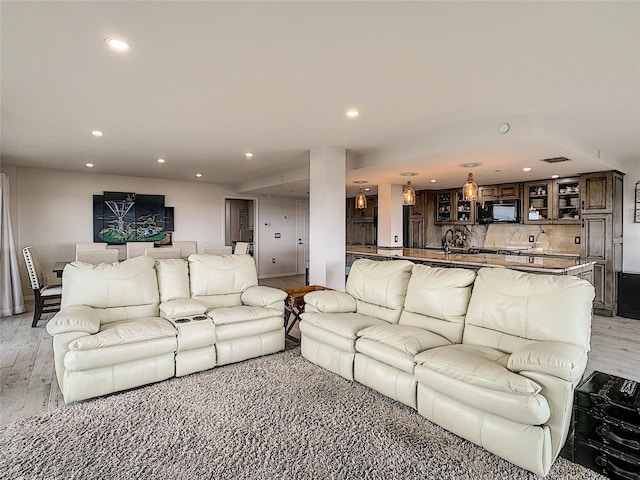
(122, 325)
(493, 357)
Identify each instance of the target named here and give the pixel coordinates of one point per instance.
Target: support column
(390, 216)
(327, 216)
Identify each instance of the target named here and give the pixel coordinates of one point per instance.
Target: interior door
(302, 231)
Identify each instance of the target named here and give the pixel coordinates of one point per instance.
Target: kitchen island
(550, 265)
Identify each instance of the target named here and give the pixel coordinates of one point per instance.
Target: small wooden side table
(294, 306)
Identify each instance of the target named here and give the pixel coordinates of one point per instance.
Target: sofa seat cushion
(483, 367)
(478, 377)
(125, 332)
(346, 325)
(406, 339)
(241, 313)
(397, 345)
(80, 360)
(250, 328)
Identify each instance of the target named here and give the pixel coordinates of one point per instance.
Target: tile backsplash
(555, 239)
(547, 238)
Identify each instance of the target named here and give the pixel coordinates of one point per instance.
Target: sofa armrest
(181, 307)
(260, 296)
(558, 359)
(329, 301)
(77, 318)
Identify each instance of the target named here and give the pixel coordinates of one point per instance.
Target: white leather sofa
(108, 335)
(492, 357)
(127, 324)
(248, 318)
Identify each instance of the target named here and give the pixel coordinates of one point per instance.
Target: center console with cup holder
(196, 339)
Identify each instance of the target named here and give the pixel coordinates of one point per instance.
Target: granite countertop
(544, 264)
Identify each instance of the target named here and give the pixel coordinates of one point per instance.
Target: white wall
(631, 230)
(54, 211)
(271, 211)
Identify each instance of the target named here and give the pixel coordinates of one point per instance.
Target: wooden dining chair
(47, 298)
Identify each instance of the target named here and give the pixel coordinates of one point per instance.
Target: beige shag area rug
(276, 417)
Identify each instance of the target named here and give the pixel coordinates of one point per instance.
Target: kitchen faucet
(446, 245)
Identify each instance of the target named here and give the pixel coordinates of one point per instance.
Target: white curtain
(11, 300)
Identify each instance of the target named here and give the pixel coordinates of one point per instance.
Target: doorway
(240, 222)
(302, 232)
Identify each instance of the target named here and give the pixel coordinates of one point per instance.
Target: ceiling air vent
(555, 160)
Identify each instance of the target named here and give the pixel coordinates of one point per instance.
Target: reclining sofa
(492, 356)
(123, 325)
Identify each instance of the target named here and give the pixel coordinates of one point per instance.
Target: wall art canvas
(121, 217)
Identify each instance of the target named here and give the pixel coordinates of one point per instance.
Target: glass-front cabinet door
(463, 210)
(538, 202)
(443, 207)
(567, 196)
(552, 201)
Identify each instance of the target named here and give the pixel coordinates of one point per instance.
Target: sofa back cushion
(219, 280)
(379, 287)
(117, 291)
(510, 308)
(173, 278)
(437, 300)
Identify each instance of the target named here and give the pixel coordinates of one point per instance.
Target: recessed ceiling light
(198, 175)
(88, 165)
(352, 113)
(409, 174)
(554, 176)
(433, 180)
(367, 189)
(248, 155)
(117, 44)
(471, 164)
(161, 160)
(360, 182)
(96, 133)
(526, 169)
(504, 128)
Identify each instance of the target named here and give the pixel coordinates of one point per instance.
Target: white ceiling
(205, 82)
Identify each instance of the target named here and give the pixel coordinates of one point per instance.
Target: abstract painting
(121, 217)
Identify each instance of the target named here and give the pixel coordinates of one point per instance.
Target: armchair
(108, 335)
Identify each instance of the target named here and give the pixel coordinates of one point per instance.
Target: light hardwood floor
(28, 384)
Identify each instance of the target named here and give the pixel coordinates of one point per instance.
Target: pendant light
(361, 200)
(408, 195)
(470, 189)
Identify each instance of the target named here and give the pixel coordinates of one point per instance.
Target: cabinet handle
(582, 204)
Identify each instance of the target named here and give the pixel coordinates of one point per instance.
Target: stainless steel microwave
(497, 212)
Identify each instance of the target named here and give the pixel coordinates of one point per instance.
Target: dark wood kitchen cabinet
(452, 209)
(597, 192)
(414, 218)
(362, 225)
(552, 201)
(503, 191)
(601, 211)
